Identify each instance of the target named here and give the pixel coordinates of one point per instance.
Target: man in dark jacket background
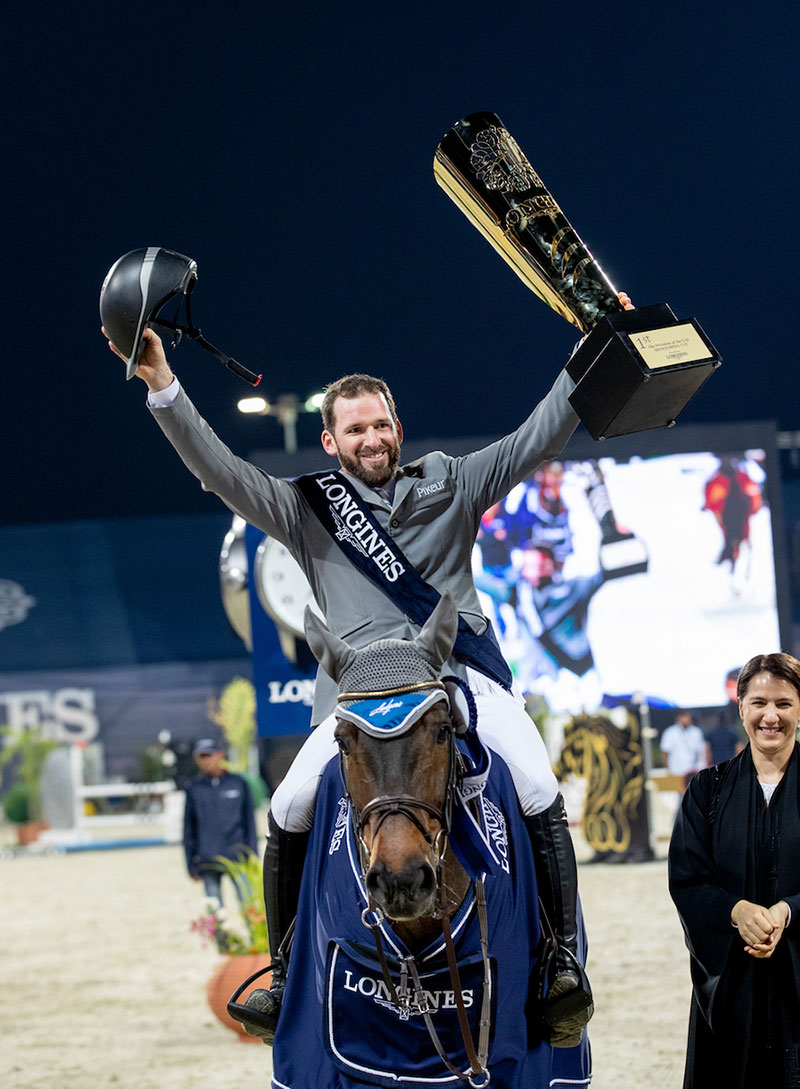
(218, 819)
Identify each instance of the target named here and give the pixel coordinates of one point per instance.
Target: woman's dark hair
(779, 665)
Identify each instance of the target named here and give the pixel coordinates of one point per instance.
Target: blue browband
(391, 713)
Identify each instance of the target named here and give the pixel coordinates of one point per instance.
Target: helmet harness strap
(194, 333)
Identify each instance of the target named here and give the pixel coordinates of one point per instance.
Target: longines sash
(342, 512)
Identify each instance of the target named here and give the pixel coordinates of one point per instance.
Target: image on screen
(645, 577)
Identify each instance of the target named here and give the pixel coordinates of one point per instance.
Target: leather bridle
(406, 805)
(412, 999)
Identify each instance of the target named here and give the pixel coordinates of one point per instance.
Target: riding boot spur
(568, 1002)
(284, 857)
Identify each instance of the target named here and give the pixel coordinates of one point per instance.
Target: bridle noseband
(404, 804)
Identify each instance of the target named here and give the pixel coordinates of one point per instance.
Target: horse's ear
(438, 634)
(332, 653)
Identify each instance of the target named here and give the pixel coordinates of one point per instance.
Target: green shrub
(15, 804)
(30, 748)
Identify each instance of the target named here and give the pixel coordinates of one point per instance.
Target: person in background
(733, 498)
(734, 875)
(722, 742)
(218, 818)
(683, 746)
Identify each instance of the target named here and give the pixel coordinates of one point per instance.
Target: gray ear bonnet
(385, 687)
(385, 665)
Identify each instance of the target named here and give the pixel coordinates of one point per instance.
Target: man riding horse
(418, 960)
(379, 543)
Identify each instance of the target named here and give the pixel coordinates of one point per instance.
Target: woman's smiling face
(770, 710)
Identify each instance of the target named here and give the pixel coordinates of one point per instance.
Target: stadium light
(285, 409)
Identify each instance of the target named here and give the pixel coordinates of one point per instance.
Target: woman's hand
(760, 928)
(625, 300)
(153, 367)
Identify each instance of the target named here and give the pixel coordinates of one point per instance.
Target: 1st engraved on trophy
(666, 347)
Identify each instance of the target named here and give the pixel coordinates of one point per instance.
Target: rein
(412, 999)
(415, 1000)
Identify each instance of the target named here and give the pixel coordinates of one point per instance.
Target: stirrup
(568, 1005)
(260, 1011)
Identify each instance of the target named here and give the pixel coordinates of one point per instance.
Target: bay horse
(417, 938)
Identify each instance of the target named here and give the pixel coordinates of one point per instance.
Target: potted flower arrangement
(242, 942)
(22, 804)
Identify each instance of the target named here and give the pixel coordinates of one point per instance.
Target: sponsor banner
(284, 689)
(123, 709)
(116, 592)
(606, 749)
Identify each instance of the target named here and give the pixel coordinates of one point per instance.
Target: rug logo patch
(498, 832)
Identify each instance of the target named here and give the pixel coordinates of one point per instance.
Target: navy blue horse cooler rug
(339, 1028)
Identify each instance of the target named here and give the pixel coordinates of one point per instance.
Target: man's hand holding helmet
(153, 367)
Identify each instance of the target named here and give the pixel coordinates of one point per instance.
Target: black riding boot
(284, 857)
(568, 1002)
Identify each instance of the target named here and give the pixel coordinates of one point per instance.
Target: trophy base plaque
(637, 370)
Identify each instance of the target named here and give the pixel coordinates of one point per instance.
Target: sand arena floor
(103, 985)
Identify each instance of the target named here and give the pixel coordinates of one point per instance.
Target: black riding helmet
(136, 288)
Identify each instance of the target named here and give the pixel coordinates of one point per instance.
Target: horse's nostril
(374, 881)
(428, 879)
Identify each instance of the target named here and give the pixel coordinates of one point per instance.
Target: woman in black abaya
(734, 874)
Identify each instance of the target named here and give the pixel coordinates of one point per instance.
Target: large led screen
(646, 574)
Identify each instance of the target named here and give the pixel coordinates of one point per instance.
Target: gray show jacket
(435, 527)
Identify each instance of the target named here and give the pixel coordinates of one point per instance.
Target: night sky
(288, 150)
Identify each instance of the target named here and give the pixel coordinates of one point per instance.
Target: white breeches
(503, 725)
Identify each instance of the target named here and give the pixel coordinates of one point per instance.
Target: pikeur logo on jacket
(435, 486)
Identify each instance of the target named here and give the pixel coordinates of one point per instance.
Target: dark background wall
(288, 149)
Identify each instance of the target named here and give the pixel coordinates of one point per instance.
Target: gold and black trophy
(635, 369)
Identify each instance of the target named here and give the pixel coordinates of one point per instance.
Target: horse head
(395, 737)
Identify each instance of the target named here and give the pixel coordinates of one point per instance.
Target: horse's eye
(444, 733)
(343, 749)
